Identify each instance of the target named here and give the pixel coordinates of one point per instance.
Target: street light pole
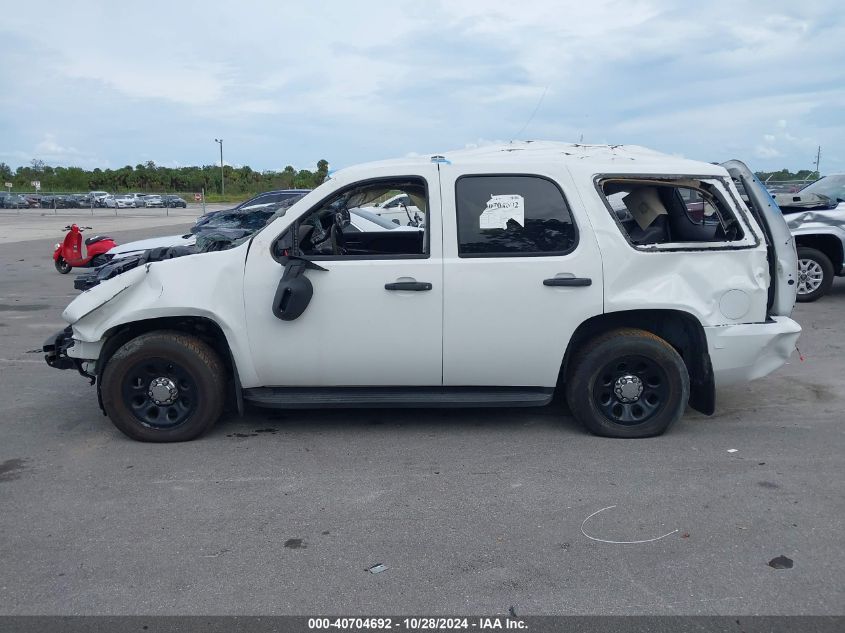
(219, 141)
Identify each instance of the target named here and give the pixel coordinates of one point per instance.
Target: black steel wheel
(627, 383)
(164, 387)
(61, 265)
(631, 389)
(160, 393)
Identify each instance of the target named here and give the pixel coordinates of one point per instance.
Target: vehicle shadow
(256, 419)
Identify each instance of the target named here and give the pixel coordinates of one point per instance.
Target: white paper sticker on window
(500, 209)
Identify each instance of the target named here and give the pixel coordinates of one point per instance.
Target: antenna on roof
(537, 107)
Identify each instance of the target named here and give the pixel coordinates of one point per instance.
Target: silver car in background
(816, 218)
(153, 200)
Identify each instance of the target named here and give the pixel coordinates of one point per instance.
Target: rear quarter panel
(717, 286)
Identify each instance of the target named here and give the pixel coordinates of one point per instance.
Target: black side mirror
(292, 297)
(294, 291)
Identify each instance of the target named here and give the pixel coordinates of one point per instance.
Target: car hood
(800, 200)
(133, 248)
(806, 220)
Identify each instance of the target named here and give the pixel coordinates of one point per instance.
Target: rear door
(521, 271)
(783, 259)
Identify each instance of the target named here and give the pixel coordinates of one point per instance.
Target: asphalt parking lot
(471, 511)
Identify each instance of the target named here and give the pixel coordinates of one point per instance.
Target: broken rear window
(670, 212)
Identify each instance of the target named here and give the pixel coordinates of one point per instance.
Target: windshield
(250, 219)
(831, 186)
(270, 198)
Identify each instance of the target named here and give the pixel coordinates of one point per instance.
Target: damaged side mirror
(294, 291)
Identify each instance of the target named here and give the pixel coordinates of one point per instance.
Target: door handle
(568, 281)
(417, 286)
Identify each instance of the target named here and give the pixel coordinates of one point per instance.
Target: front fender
(207, 285)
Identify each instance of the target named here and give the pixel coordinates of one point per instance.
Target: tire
(627, 383)
(61, 265)
(189, 374)
(815, 274)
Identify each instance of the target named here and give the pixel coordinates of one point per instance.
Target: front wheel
(61, 265)
(815, 274)
(164, 386)
(627, 383)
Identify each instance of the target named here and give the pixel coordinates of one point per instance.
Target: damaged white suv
(634, 281)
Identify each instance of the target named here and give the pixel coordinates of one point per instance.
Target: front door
(375, 317)
(522, 271)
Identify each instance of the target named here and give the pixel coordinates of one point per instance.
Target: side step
(383, 397)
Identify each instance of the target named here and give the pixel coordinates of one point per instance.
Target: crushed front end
(55, 352)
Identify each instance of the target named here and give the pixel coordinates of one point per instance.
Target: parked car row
(87, 200)
(140, 200)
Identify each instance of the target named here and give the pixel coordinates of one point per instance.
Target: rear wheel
(164, 387)
(61, 265)
(627, 383)
(815, 274)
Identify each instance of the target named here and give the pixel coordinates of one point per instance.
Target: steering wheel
(338, 240)
(342, 217)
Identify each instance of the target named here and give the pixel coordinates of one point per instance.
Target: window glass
(353, 222)
(659, 212)
(512, 216)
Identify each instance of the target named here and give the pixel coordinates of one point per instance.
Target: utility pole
(818, 158)
(219, 141)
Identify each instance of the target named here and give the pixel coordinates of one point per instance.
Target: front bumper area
(56, 355)
(744, 352)
(55, 350)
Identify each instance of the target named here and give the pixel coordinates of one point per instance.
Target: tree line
(149, 177)
(785, 174)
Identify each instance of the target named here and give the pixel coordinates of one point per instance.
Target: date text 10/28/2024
(417, 623)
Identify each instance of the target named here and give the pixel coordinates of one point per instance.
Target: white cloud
(49, 147)
(296, 82)
(766, 151)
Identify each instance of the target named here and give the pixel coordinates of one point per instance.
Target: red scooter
(69, 255)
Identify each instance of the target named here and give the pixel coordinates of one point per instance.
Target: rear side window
(512, 216)
(661, 212)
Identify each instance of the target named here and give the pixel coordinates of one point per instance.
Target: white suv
(634, 281)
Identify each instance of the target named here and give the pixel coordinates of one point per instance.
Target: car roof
(580, 156)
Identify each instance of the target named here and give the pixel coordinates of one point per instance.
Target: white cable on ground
(601, 540)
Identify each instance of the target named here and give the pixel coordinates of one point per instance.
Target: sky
(107, 84)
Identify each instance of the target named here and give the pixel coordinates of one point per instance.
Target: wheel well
(680, 329)
(830, 245)
(205, 329)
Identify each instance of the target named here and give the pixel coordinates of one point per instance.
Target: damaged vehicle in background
(222, 232)
(262, 199)
(523, 279)
(816, 218)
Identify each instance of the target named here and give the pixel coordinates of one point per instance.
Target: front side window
(348, 224)
(662, 211)
(512, 216)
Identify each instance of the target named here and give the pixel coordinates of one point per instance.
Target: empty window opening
(661, 212)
